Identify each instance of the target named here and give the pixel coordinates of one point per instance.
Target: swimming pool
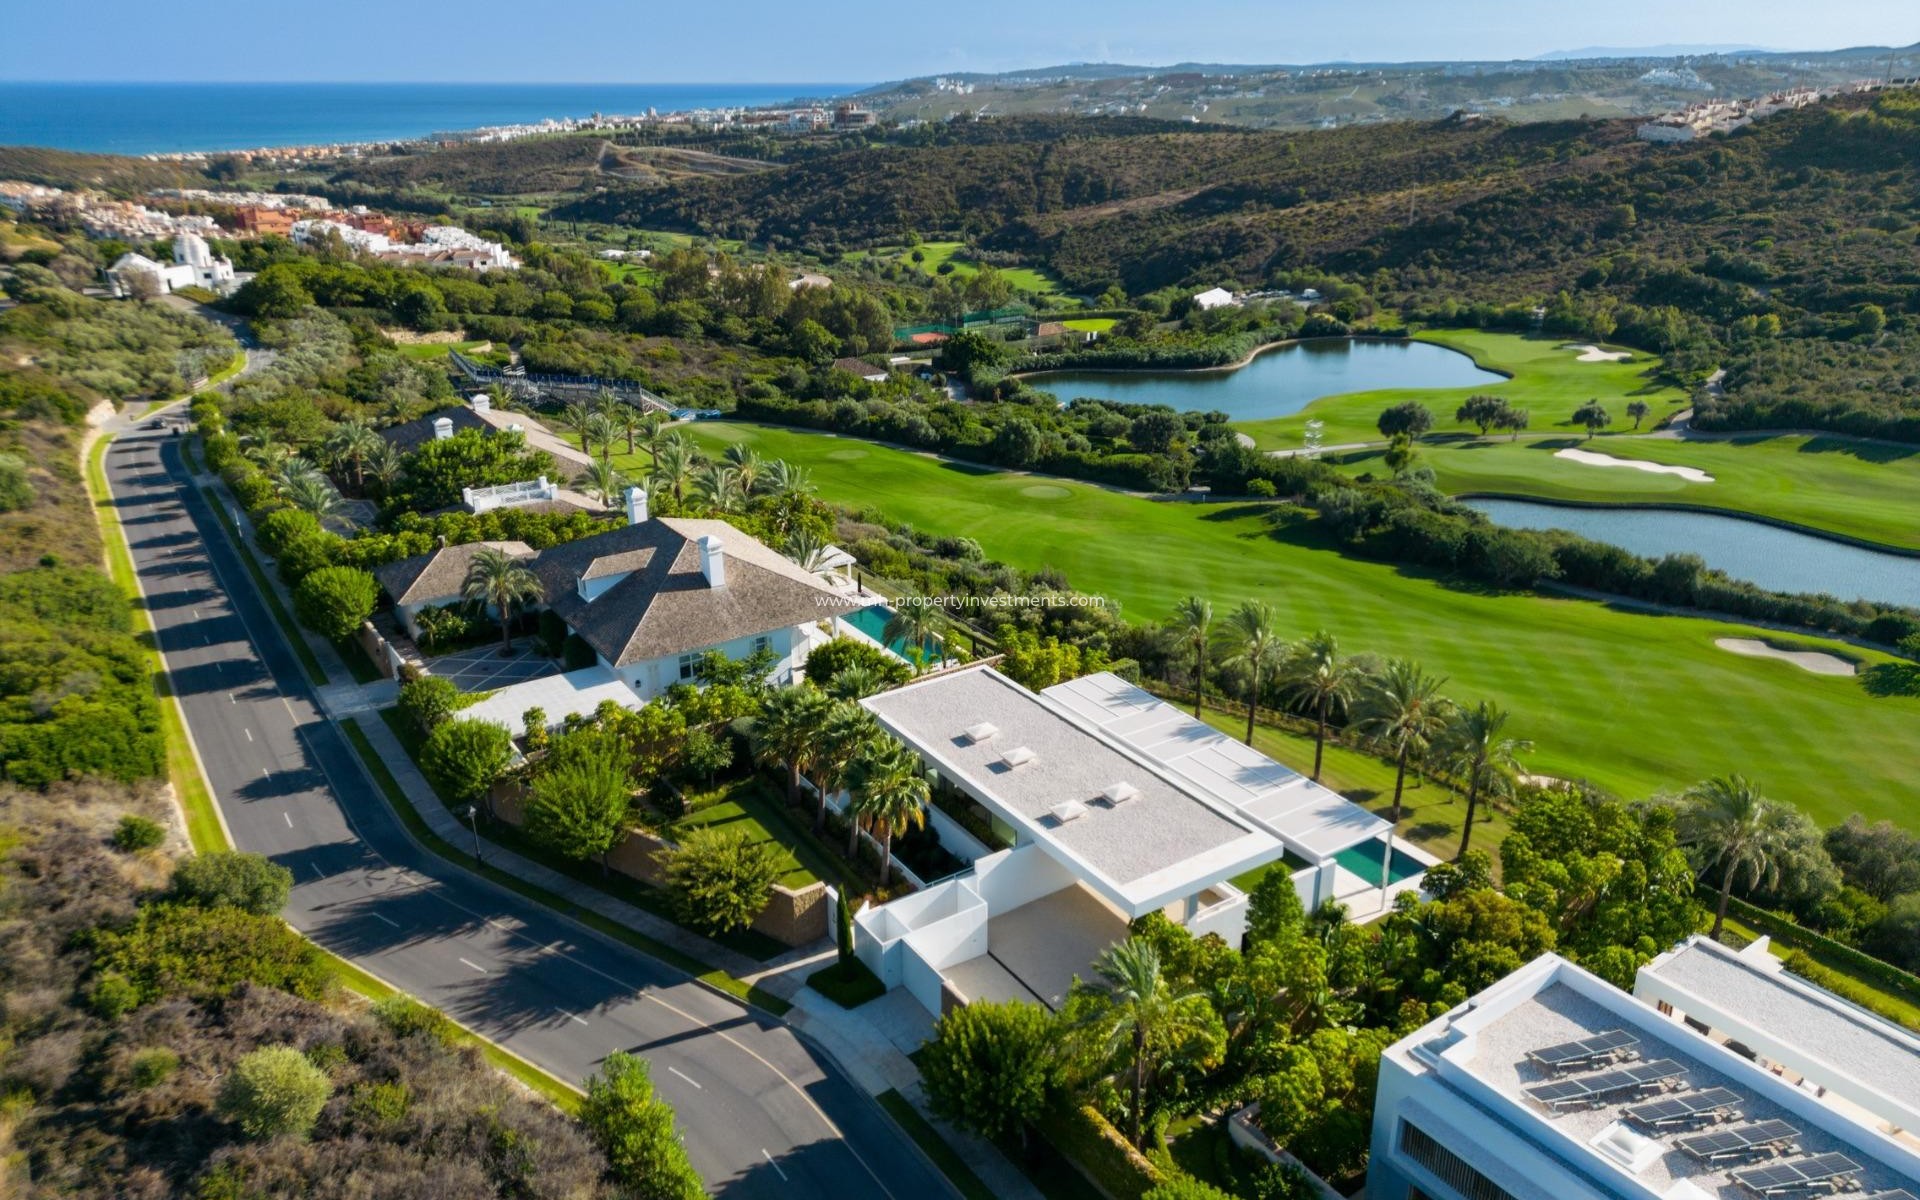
(1363, 860)
(872, 621)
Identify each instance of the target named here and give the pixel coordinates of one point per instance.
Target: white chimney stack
(636, 506)
(442, 428)
(713, 561)
(481, 402)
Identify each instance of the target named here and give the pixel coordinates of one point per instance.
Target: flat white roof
(1313, 821)
(577, 693)
(1163, 843)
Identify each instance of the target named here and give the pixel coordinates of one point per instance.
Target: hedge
(1848, 988)
(1101, 1152)
(1797, 937)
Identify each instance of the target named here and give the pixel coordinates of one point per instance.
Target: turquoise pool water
(1364, 860)
(872, 621)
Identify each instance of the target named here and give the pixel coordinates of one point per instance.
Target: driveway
(485, 669)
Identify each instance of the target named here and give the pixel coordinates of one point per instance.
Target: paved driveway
(484, 669)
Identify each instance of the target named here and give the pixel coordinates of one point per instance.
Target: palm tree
(721, 488)
(578, 419)
(602, 428)
(604, 481)
(659, 435)
(1193, 620)
(1255, 645)
(629, 421)
(1317, 677)
(1474, 747)
(673, 469)
(784, 479)
(1403, 711)
(500, 580)
(1139, 1010)
(855, 683)
(848, 728)
(788, 731)
(270, 455)
(808, 552)
(890, 790)
(918, 625)
(349, 444)
(383, 463)
(746, 465)
(1730, 825)
(311, 492)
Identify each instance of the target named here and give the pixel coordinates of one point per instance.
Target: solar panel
(1761, 1139)
(1797, 1175)
(1703, 1107)
(1611, 1046)
(1586, 1090)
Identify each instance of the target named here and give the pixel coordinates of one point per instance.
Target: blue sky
(779, 40)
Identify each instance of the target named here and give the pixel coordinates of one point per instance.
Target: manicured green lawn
(934, 254)
(748, 805)
(1550, 382)
(1091, 324)
(432, 351)
(1863, 491)
(1634, 702)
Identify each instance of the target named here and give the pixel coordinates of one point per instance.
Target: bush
(137, 833)
(1185, 1187)
(334, 601)
(282, 527)
(16, 492)
(992, 1068)
(151, 1066)
(635, 1129)
(178, 949)
(274, 1090)
(248, 882)
(462, 759)
(831, 659)
(406, 1017)
(847, 983)
(1102, 1152)
(427, 701)
(720, 879)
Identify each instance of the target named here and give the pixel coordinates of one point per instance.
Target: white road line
(578, 1020)
(476, 966)
(249, 734)
(689, 1079)
(769, 1158)
(499, 926)
(289, 817)
(231, 698)
(388, 920)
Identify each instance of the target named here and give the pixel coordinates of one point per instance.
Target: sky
(649, 41)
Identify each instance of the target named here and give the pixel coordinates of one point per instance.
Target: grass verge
(296, 639)
(847, 984)
(403, 808)
(924, 1135)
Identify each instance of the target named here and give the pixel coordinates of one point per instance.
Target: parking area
(484, 668)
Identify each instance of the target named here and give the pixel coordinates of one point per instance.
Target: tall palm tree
(1730, 825)
(890, 790)
(629, 421)
(1316, 676)
(785, 479)
(673, 469)
(602, 428)
(349, 444)
(383, 464)
(787, 731)
(270, 455)
(919, 625)
(847, 728)
(578, 419)
(1254, 645)
(658, 434)
(311, 492)
(721, 487)
(1138, 1010)
(747, 466)
(1404, 712)
(604, 481)
(500, 580)
(1475, 747)
(1193, 621)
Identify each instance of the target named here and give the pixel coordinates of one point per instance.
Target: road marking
(769, 1157)
(196, 614)
(231, 698)
(249, 734)
(390, 921)
(499, 926)
(289, 817)
(578, 1020)
(476, 966)
(689, 1079)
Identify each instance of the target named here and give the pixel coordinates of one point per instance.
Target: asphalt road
(762, 1112)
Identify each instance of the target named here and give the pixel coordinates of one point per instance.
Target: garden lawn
(933, 254)
(434, 351)
(1091, 324)
(747, 805)
(1860, 490)
(1635, 702)
(1546, 379)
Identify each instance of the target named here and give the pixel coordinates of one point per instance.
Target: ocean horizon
(165, 118)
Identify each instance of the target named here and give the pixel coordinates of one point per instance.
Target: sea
(159, 118)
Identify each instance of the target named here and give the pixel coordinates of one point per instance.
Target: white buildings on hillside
(194, 265)
(1721, 1078)
(1218, 297)
(1722, 116)
(439, 246)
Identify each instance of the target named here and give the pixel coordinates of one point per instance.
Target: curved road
(762, 1113)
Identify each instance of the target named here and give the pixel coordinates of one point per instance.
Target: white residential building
(439, 246)
(1213, 298)
(1555, 1085)
(194, 265)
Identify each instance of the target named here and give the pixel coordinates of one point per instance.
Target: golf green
(1635, 702)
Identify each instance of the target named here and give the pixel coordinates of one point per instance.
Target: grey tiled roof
(440, 574)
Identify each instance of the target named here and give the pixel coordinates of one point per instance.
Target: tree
(1514, 420)
(500, 581)
(1473, 746)
(604, 481)
(16, 490)
(992, 1068)
(1316, 676)
(890, 790)
(350, 444)
(274, 1090)
(1409, 418)
(1881, 859)
(1731, 827)
(1638, 410)
(1154, 431)
(1253, 645)
(249, 882)
(674, 465)
(1403, 711)
(848, 729)
(464, 758)
(311, 492)
(918, 625)
(1018, 443)
(1481, 411)
(721, 878)
(1193, 620)
(1593, 415)
(787, 731)
(634, 1128)
(427, 700)
(1132, 1013)
(335, 601)
(135, 833)
(579, 801)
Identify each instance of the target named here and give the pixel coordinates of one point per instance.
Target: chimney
(713, 561)
(636, 506)
(481, 402)
(442, 428)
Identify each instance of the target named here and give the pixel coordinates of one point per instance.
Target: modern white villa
(1720, 1079)
(1109, 804)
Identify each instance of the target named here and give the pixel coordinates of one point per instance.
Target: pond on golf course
(1781, 560)
(1281, 380)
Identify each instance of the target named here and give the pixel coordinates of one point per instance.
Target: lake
(1282, 380)
(1780, 560)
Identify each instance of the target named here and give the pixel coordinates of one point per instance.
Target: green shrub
(1101, 1151)
(272, 1091)
(720, 878)
(334, 601)
(16, 492)
(151, 1066)
(112, 996)
(635, 1130)
(428, 700)
(282, 527)
(993, 1068)
(407, 1017)
(304, 555)
(178, 949)
(137, 833)
(249, 882)
(380, 1105)
(462, 759)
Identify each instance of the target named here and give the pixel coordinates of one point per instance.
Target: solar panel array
(1829, 1171)
(1758, 1140)
(1614, 1045)
(1689, 1109)
(1585, 1091)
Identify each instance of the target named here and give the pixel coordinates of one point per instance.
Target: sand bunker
(1807, 660)
(1592, 353)
(1594, 459)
